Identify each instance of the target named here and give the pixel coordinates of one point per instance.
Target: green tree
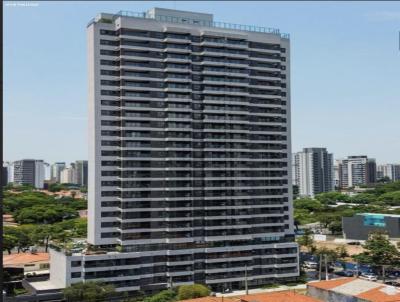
(20, 238)
(192, 291)
(307, 241)
(89, 292)
(331, 198)
(307, 204)
(390, 198)
(167, 295)
(335, 227)
(363, 198)
(378, 251)
(9, 242)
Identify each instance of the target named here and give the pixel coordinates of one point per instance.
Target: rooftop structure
(278, 296)
(352, 289)
(190, 18)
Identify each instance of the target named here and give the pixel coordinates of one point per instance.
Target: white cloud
(383, 16)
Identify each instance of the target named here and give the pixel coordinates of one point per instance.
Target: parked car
(369, 277)
(392, 283)
(310, 264)
(345, 273)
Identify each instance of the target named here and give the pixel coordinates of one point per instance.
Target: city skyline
(45, 109)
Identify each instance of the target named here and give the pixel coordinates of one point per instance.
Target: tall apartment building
(55, 171)
(356, 170)
(4, 176)
(189, 168)
(314, 172)
(29, 172)
(391, 171)
(81, 170)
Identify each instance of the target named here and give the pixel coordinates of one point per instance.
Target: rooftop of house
(24, 258)
(363, 289)
(277, 296)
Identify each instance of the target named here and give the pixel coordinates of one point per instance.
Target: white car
(369, 277)
(310, 264)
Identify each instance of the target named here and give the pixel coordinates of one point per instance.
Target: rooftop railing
(205, 23)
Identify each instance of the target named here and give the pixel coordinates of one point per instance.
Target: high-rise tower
(189, 143)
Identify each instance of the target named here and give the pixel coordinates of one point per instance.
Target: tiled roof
(363, 289)
(278, 296)
(281, 296)
(381, 294)
(329, 284)
(25, 258)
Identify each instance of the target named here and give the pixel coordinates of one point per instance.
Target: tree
(390, 198)
(335, 227)
(307, 241)
(9, 242)
(192, 291)
(331, 197)
(329, 256)
(20, 237)
(379, 252)
(89, 292)
(307, 204)
(163, 296)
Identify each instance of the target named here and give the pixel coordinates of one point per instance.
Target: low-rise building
(278, 296)
(352, 290)
(28, 261)
(359, 226)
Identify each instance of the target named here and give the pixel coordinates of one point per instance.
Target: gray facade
(189, 168)
(29, 172)
(313, 170)
(360, 226)
(81, 170)
(4, 176)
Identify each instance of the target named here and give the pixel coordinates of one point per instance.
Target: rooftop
(192, 18)
(24, 258)
(363, 289)
(278, 296)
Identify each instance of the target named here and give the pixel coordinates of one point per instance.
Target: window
(76, 275)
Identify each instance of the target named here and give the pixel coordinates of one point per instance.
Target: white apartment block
(189, 155)
(356, 170)
(314, 172)
(55, 171)
(391, 171)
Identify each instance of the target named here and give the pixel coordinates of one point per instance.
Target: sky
(345, 81)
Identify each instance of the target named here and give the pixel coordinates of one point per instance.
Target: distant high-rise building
(189, 155)
(4, 176)
(29, 172)
(356, 170)
(81, 172)
(391, 171)
(67, 175)
(313, 171)
(55, 171)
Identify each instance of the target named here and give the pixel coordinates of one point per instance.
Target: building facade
(81, 172)
(390, 171)
(189, 154)
(356, 170)
(55, 171)
(313, 170)
(359, 226)
(29, 172)
(4, 176)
